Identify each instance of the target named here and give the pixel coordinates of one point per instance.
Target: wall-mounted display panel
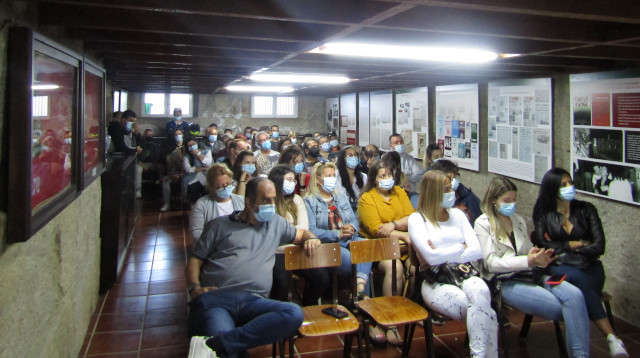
(457, 124)
(381, 118)
(363, 119)
(520, 128)
(93, 123)
(333, 115)
(605, 151)
(348, 116)
(411, 119)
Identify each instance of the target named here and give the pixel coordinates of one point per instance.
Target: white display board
(381, 118)
(363, 119)
(520, 128)
(605, 150)
(457, 124)
(333, 115)
(411, 119)
(348, 119)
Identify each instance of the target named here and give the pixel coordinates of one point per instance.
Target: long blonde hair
(497, 187)
(431, 193)
(318, 169)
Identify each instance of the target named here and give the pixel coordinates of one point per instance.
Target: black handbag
(450, 273)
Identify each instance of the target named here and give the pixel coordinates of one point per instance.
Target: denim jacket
(318, 212)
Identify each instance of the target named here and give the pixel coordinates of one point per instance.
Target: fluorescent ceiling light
(271, 89)
(440, 54)
(509, 55)
(44, 87)
(298, 78)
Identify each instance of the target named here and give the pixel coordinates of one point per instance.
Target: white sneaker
(165, 207)
(616, 347)
(199, 349)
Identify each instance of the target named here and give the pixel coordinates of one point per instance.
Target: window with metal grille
(274, 106)
(40, 106)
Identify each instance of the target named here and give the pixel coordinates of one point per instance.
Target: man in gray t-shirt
(229, 275)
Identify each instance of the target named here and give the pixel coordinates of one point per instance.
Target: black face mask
(148, 138)
(314, 152)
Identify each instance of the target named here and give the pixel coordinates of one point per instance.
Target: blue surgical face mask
(265, 212)
(178, 118)
(129, 126)
(193, 147)
(352, 162)
(448, 199)
(568, 193)
(507, 209)
(248, 135)
(275, 135)
(386, 184)
(333, 143)
(329, 184)
(225, 193)
(298, 168)
(399, 148)
(67, 141)
(325, 146)
(213, 138)
(288, 187)
(455, 183)
(179, 138)
(266, 145)
(249, 168)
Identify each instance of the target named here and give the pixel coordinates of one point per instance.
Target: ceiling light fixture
(44, 87)
(270, 89)
(439, 54)
(298, 78)
(509, 55)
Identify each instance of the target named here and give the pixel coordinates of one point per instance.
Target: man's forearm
(192, 271)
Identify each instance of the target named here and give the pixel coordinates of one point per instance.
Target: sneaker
(438, 320)
(164, 208)
(138, 194)
(199, 349)
(616, 347)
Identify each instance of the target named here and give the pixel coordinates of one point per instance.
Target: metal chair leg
(503, 338)
(428, 337)
(561, 346)
(348, 340)
(526, 324)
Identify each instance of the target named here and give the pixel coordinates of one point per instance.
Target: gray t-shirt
(238, 256)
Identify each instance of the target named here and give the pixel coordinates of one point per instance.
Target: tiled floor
(144, 314)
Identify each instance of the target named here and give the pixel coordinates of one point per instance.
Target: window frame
(168, 111)
(274, 108)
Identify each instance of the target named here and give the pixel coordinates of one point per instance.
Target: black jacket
(117, 133)
(586, 226)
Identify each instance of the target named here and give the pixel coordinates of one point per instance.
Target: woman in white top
(220, 201)
(350, 181)
(442, 234)
(291, 207)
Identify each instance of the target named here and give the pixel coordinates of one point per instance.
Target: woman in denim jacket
(332, 219)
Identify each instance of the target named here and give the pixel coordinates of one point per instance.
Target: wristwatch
(193, 287)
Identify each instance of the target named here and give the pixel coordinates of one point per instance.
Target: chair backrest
(374, 250)
(325, 255)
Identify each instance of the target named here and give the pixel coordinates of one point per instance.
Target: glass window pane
(116, 101)
(153, 103)
(40, 106)
(183, 101)
(124, 103)
(285, 106)
(263, 105)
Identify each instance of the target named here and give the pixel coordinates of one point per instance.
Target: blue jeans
(590, 281)
(560, 302)
(362, 269)
(242, 320)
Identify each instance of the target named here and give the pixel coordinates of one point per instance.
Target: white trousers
(470, 304)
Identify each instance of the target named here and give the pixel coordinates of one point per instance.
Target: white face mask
(329, 184)
(288, 187)
(294, 140)
(448, 199)
(386, 184)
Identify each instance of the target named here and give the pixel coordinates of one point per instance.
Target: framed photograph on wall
(44, 78)
(93, 123)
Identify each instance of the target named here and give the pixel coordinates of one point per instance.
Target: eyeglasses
(223, 187)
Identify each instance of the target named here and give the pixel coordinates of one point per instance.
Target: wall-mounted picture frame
(92, 135)
(43, 114)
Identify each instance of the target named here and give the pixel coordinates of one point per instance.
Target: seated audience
(176, 124)
(265, 157)
(409, 164)
(293, 157)
(220, 202)
(236, 146)
(294, 137)
(229, 279)
(572, 228)
(506, 247)
(325, 147)
(174, 170)
(441, 234)
(148, 160)
(350, 181)
(433, 153)
(283, 144)
(370, 154)
(211, 142)
(394, 162)
(466, 200)
(244, 169)
(194, 167)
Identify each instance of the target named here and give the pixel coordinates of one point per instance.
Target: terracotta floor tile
(125, 304)
(169, 264)
(85, 345)
(452, 345)
(167, 300)
(166, 352)
(120, 321)
(142, 249)
(134, 277)
(166, 336)
(114, 342)
(170, 247)
(158, 287)
(167, 275)
(137, 266)
(129, 289)
(140, 257)
(172, 316)
(170, 255)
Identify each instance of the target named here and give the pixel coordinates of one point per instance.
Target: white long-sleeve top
(448, 239)
(188, 168)
(411, 169)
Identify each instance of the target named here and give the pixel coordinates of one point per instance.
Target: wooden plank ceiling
(200, 46)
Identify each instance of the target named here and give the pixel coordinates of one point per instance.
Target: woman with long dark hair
(244, 169)
(350, 181)
(572, 228)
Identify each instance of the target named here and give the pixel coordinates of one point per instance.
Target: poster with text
(605, 140)
(363, 119)
(457, 122)
(411, 117)
(381, 118)
(331, 107)
(348, 114)
(520, 123)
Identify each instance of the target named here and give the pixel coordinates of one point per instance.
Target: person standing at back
(175, 124)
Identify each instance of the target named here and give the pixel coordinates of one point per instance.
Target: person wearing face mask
(219, 202)
(350, 181)
(211, 143)
(442, 234)
(229, 276)
(293, 137)
(122, 134)
(384, 210)
(194, 166)
(174, 168)
(325, 147)
(247, 133)
(572, 228)
(335, 147)
(466, 200)
(244, 169)
(506, 248)
(275, 136)
(312, 154)
(409, 164)
(293, 157)
(176, 124)
(370, 153)
(433, 153)
(265, 157)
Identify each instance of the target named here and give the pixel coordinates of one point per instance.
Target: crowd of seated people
(281, 189)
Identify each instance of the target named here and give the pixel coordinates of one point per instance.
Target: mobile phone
(556, 279)
(334, 312)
